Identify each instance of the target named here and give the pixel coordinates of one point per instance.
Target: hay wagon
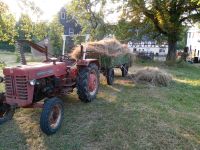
(110, 54)
(108, 63)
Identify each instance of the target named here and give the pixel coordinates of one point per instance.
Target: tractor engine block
(44, 88)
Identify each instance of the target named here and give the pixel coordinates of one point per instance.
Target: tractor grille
(21, 87)
(16, 87)
(9, 86)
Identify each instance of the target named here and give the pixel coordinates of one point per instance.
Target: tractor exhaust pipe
(87, 37)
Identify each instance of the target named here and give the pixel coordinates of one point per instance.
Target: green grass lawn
(124, 116)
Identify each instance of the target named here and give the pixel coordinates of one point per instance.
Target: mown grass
(124, 116)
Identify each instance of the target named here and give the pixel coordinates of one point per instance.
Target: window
(62, 16)
(189, 34)
(71, 31)
(161, 51)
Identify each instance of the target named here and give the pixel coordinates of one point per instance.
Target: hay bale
(109, 47)
(153, 76)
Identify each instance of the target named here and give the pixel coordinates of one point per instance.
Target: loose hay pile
(153, 76)
(109, 47)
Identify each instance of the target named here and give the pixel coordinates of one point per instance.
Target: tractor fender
(87, 62)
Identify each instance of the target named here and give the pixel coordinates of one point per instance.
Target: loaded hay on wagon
(109, 47)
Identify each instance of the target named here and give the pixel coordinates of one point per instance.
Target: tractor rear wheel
(124, 70)
(6, 113)
(110, 76)
(88, 83)
(52, 115)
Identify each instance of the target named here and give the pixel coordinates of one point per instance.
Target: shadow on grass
(122, 120)
(124, 116)
(11, 136)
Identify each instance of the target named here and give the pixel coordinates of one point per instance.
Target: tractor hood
(37, 71)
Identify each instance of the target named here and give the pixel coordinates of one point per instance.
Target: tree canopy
(167, 16)
(159, 19)
(55, 32)
(87, 15)
(25, 27)
(7, 24)
(40, 31)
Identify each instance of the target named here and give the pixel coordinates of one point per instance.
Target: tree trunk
(172, 43)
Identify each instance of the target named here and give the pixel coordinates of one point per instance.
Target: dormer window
(62, 16)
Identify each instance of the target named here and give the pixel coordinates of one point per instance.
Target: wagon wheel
(110, 76)
(124, 70)
(52, 116)
(6, 113)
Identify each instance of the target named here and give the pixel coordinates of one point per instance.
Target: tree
(25, 30)
(40, 31)
(168, 17)
(181, 44)
(55, 33)
(25, 27)
(29, 6)
(91, 20)
(7, 25)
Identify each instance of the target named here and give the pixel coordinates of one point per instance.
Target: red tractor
(40, 85)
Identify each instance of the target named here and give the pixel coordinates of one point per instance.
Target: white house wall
(193, 40)
(149, 49)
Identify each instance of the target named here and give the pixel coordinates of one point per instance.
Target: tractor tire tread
(82, 83)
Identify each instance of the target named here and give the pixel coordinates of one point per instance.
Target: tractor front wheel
(88, 83)
(110, 76)
(52, 116)
(6, 113)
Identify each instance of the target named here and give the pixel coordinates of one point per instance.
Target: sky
(49, 8)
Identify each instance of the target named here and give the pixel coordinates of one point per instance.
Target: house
(193, 41)
(148, 47)
(71, 27)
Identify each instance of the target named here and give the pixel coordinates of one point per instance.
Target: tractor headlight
(32, 82)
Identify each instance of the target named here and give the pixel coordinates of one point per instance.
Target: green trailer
(108, 63)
